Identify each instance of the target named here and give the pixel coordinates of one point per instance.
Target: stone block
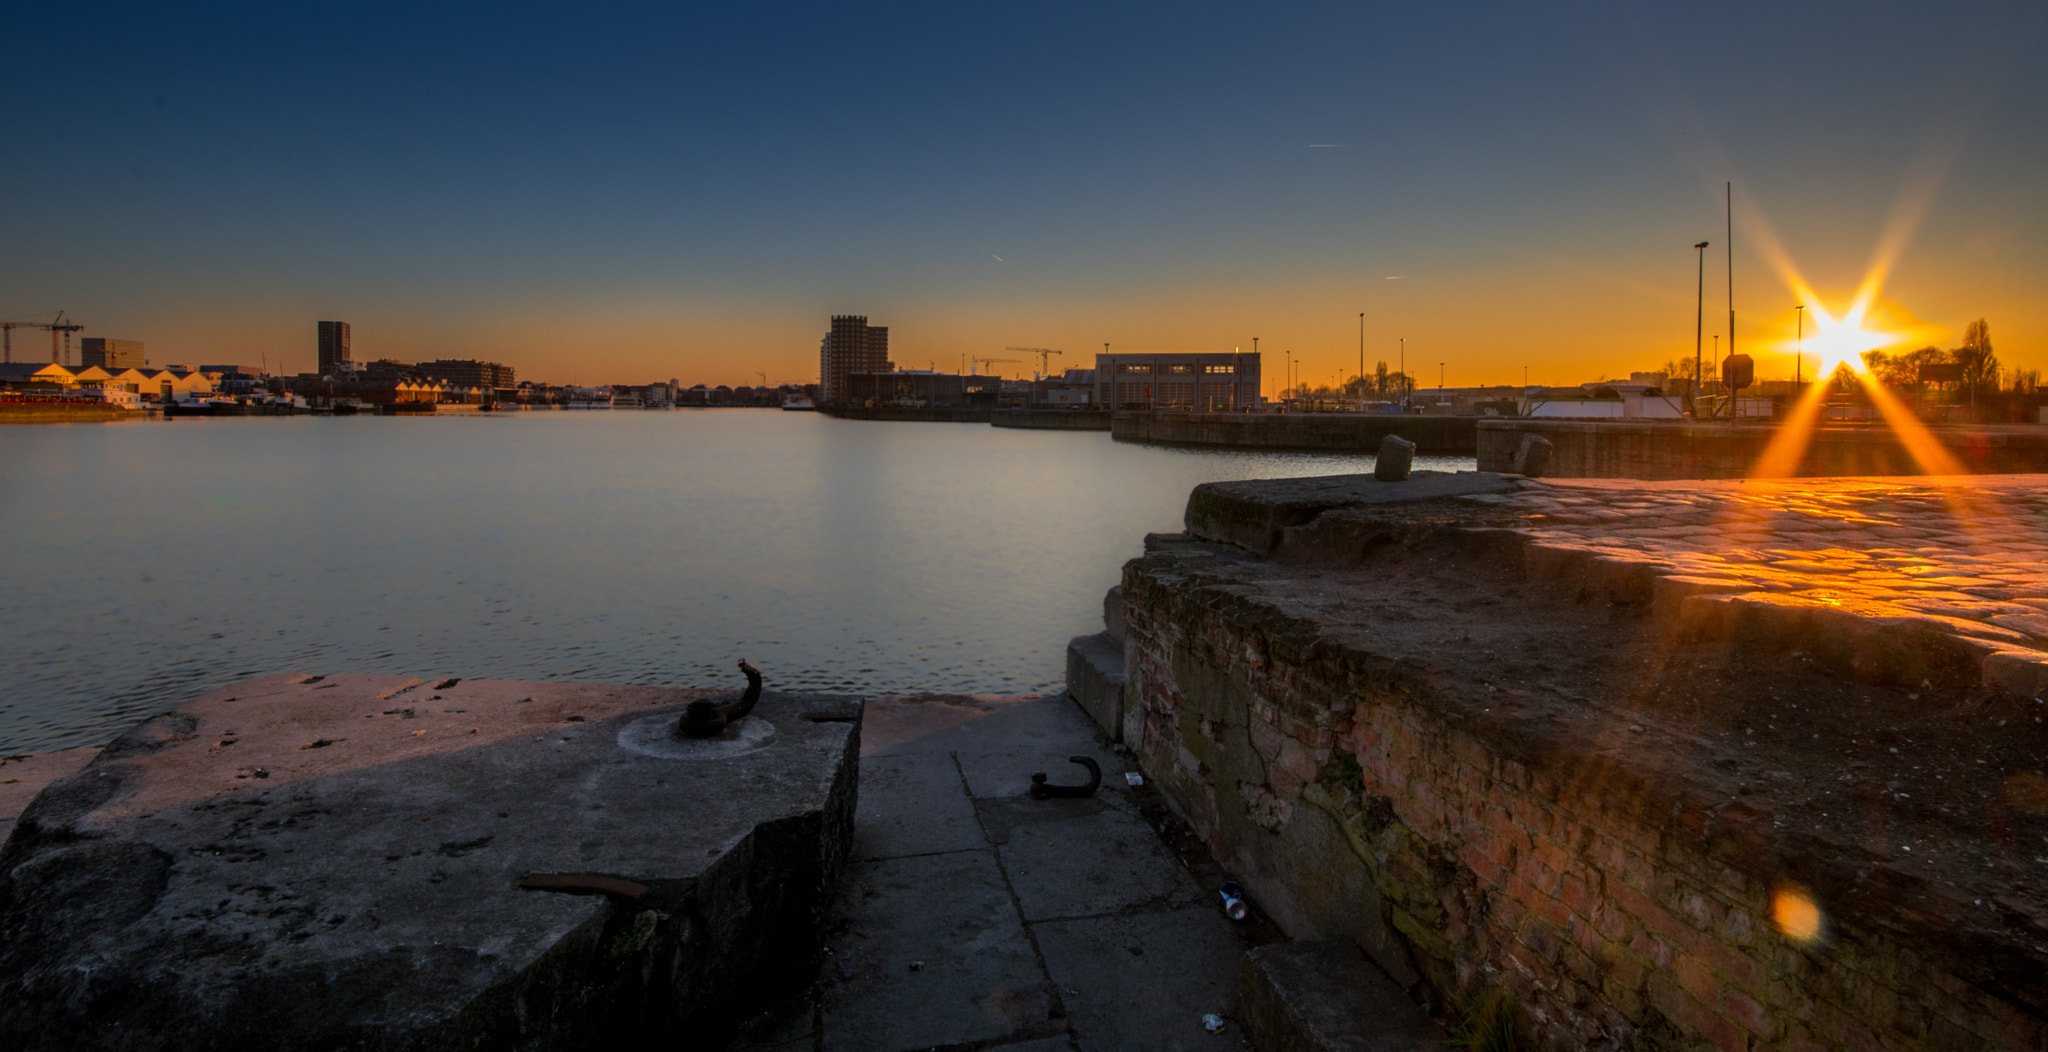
(1095, 677)
(1327, 997)
(1397, 455)
(320, 862)
(1113, 613)
(1532, 457)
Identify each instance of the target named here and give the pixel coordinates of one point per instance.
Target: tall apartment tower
(333, 346)
(851, 346)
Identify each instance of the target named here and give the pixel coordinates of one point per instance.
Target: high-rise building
(110, 354)
(851, 346)
(333, 347)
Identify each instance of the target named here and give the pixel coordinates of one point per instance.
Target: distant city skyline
(1503, 186)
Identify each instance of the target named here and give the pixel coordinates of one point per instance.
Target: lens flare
(1843, 341)
(1797, 915)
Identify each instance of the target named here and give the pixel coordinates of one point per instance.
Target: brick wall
(1469, 856)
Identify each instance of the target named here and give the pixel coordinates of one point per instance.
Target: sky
(617, 194)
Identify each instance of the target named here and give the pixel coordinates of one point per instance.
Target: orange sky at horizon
(1567, 321)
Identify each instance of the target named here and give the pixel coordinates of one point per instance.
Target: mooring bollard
(1397, 455)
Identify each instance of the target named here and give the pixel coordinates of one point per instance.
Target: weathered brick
(1619, 882)
(1746, 1011)
(1690, 1014)
(1696, 978)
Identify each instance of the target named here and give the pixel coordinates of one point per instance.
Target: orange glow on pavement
(1781, 458)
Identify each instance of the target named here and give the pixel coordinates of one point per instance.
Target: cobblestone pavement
(1966, 556)
(974, 917)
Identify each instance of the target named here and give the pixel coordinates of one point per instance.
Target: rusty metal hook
(1042, 791)
(709, 719)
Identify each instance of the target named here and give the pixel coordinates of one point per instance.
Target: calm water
(146, 562)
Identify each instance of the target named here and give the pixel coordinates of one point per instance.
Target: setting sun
(1844, 341)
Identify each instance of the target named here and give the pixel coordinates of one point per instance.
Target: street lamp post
(1699, 321)
(1799, 355)
(1404, 374)
(1361, 361)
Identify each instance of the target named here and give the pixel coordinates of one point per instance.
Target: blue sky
(615, 194)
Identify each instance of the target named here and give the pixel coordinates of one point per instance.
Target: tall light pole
(1404, 374)
(1699, 320)
(1799, 355)
(1361, 361)
(1718, 388)
(1289, 384)
(1731, 292)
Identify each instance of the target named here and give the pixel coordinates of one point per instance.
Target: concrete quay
(899, 414)
(372, 861)
(1669, 450)
(1051, 419)
(1297, 432)
(969, 915)
(1735, 765)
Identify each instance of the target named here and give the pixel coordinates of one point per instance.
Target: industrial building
(920, 389)
(334, 348)
(110, 354)
(1177, 381)
(851, 346)
(468, 372)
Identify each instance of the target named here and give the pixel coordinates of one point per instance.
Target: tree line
(1974, 366)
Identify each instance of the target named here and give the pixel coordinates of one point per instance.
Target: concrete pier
(1722, 764)
(1648, 449)
(898, 414)
(1051, 419)
(1298, 432)
(373, 861)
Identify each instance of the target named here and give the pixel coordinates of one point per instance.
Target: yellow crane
(1044, 358)
(992, 361)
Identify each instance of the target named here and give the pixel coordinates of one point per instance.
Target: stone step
(1327, 997)
(1095, 677)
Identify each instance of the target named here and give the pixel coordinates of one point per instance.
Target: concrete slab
(999, 757)
(1079, 858)
(1327, 997)
(1145, 980)
(1256, 514)
(913, 804)
(300, 861)
(916, 723)
(933, 954)
(791, 1026)
(22, 777)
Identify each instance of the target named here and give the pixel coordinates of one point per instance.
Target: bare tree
(1979, 361)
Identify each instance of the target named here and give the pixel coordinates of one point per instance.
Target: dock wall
(1051, 419)
(1300, 432)
(1616, 863)
(1684, 450)
(896, 414)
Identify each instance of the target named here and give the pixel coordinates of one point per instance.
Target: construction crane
(1044, 358)
(992, 361)
(58, 325)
